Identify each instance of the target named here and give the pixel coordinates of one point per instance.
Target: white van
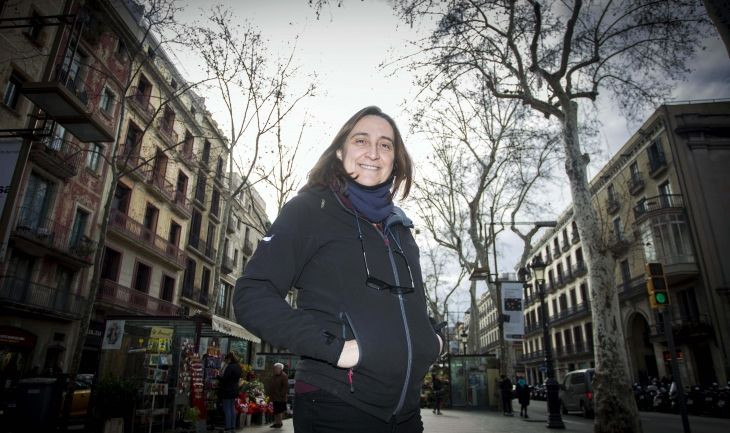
(576, 392)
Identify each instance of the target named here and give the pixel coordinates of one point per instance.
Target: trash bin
(38, 403)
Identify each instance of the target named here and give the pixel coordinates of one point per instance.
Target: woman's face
(369, 151)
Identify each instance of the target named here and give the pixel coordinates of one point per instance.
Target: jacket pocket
(347, 323)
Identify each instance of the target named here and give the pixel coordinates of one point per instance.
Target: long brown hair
(329, 169)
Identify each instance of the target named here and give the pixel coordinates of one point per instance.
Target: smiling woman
(360, 324)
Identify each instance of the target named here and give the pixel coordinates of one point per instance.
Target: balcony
(566, 247)
(556, 252)
(26, 295)
(64, 100)
(202, 248)
(636, 183)
(686, 330)
(41, 236)
(535, 356)
(128, 299)
(634, 288)
(183, 206)
(612, 205)
(227, 264)
(129, 159)
(166, 131)
(658, 205)
(160, 186)
(230, 226)
(574, 238)
(570, 313)
(569, 275)
(657, 165)
(187, 157)
(618, 243)
(141, 104)
(196, 296)
(141, 235)
(579, 350)
(57, 156)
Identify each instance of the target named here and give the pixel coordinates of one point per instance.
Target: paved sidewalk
(467, 421)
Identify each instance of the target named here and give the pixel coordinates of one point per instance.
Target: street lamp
(464, 337)
(551, 385)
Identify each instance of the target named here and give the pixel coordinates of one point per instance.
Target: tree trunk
(614, 405)
(473, 336)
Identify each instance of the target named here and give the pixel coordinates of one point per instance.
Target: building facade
(662, 198)
(92, 73)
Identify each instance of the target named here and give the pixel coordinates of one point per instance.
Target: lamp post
(464, 337)
(551, 385)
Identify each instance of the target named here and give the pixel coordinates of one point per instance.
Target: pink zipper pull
(349, 380)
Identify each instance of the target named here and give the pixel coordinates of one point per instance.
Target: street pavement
(485, 421)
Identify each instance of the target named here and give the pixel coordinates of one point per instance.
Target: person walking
(523, 396)
(360, 324)
(437, 387)
(505, 386)
(228, 390)
(278, 389)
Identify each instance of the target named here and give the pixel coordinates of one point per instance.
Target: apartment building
(61, 108)
(61, 115)
(661, 198)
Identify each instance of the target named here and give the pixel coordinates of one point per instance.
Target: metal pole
(551, 385)
(667, 320)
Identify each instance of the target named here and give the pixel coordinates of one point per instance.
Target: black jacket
(314, 246)
(228, 381)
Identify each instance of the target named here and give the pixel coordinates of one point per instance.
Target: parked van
(576, 392)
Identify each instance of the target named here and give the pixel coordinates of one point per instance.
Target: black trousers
(322, 412)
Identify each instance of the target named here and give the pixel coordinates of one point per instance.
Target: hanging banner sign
(113, 334)
(512, 317)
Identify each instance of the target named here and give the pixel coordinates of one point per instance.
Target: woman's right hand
(350, 355)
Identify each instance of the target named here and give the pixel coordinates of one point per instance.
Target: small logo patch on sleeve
(268, 238)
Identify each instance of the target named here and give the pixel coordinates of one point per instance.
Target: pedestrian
(505, 386)
(278, 389)
(523, 396)
(228, 390)
(437, 387)
(360, 326)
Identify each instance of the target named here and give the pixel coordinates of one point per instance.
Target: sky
(345, 48)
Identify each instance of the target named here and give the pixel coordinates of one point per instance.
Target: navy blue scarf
(373, 202)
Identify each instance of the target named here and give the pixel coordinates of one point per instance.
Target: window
(131, 144)
(625, 272)
(121, 48)
(210, 239)
(36, 204)
(573, 299)
(111, 264)
(174, 235)
(635, 174)
(584, 293)
(121, 198)
(215, 202)
(219, 168)
(107, 101)
(611, 192)
(12, 91)
(189, 278)
(94, 156)
(150, 220)
(617, 229)
(144, 90)
(78, 229)
(688, 309)
(36, 27)
(665, 194)
(159, 168)
(58, 138)
(181, 187)
(151, 53)
(200, 187)
(187, 148)
(141, 281)
(173, 84)
(656, 155)
(195, 225)
(167, 288)
(204, 286)
(206, 151)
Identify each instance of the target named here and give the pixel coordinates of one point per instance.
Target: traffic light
(656, 285)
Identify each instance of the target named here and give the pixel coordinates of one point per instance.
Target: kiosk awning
(233, 329)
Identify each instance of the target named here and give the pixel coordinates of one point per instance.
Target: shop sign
(17, 337)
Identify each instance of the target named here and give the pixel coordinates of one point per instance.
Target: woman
(438, 393)
(361, 326)
(523, 396)
(228, 390)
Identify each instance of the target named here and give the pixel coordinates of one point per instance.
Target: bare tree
(486, 156)
(254, 93)
(549, 56)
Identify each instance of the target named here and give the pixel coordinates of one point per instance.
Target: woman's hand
(350, 355)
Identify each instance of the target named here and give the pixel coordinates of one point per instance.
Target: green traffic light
(661, 298)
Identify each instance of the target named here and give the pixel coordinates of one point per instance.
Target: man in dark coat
(505, 386)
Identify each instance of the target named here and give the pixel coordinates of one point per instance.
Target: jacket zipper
(345, 318)
(402, 399)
